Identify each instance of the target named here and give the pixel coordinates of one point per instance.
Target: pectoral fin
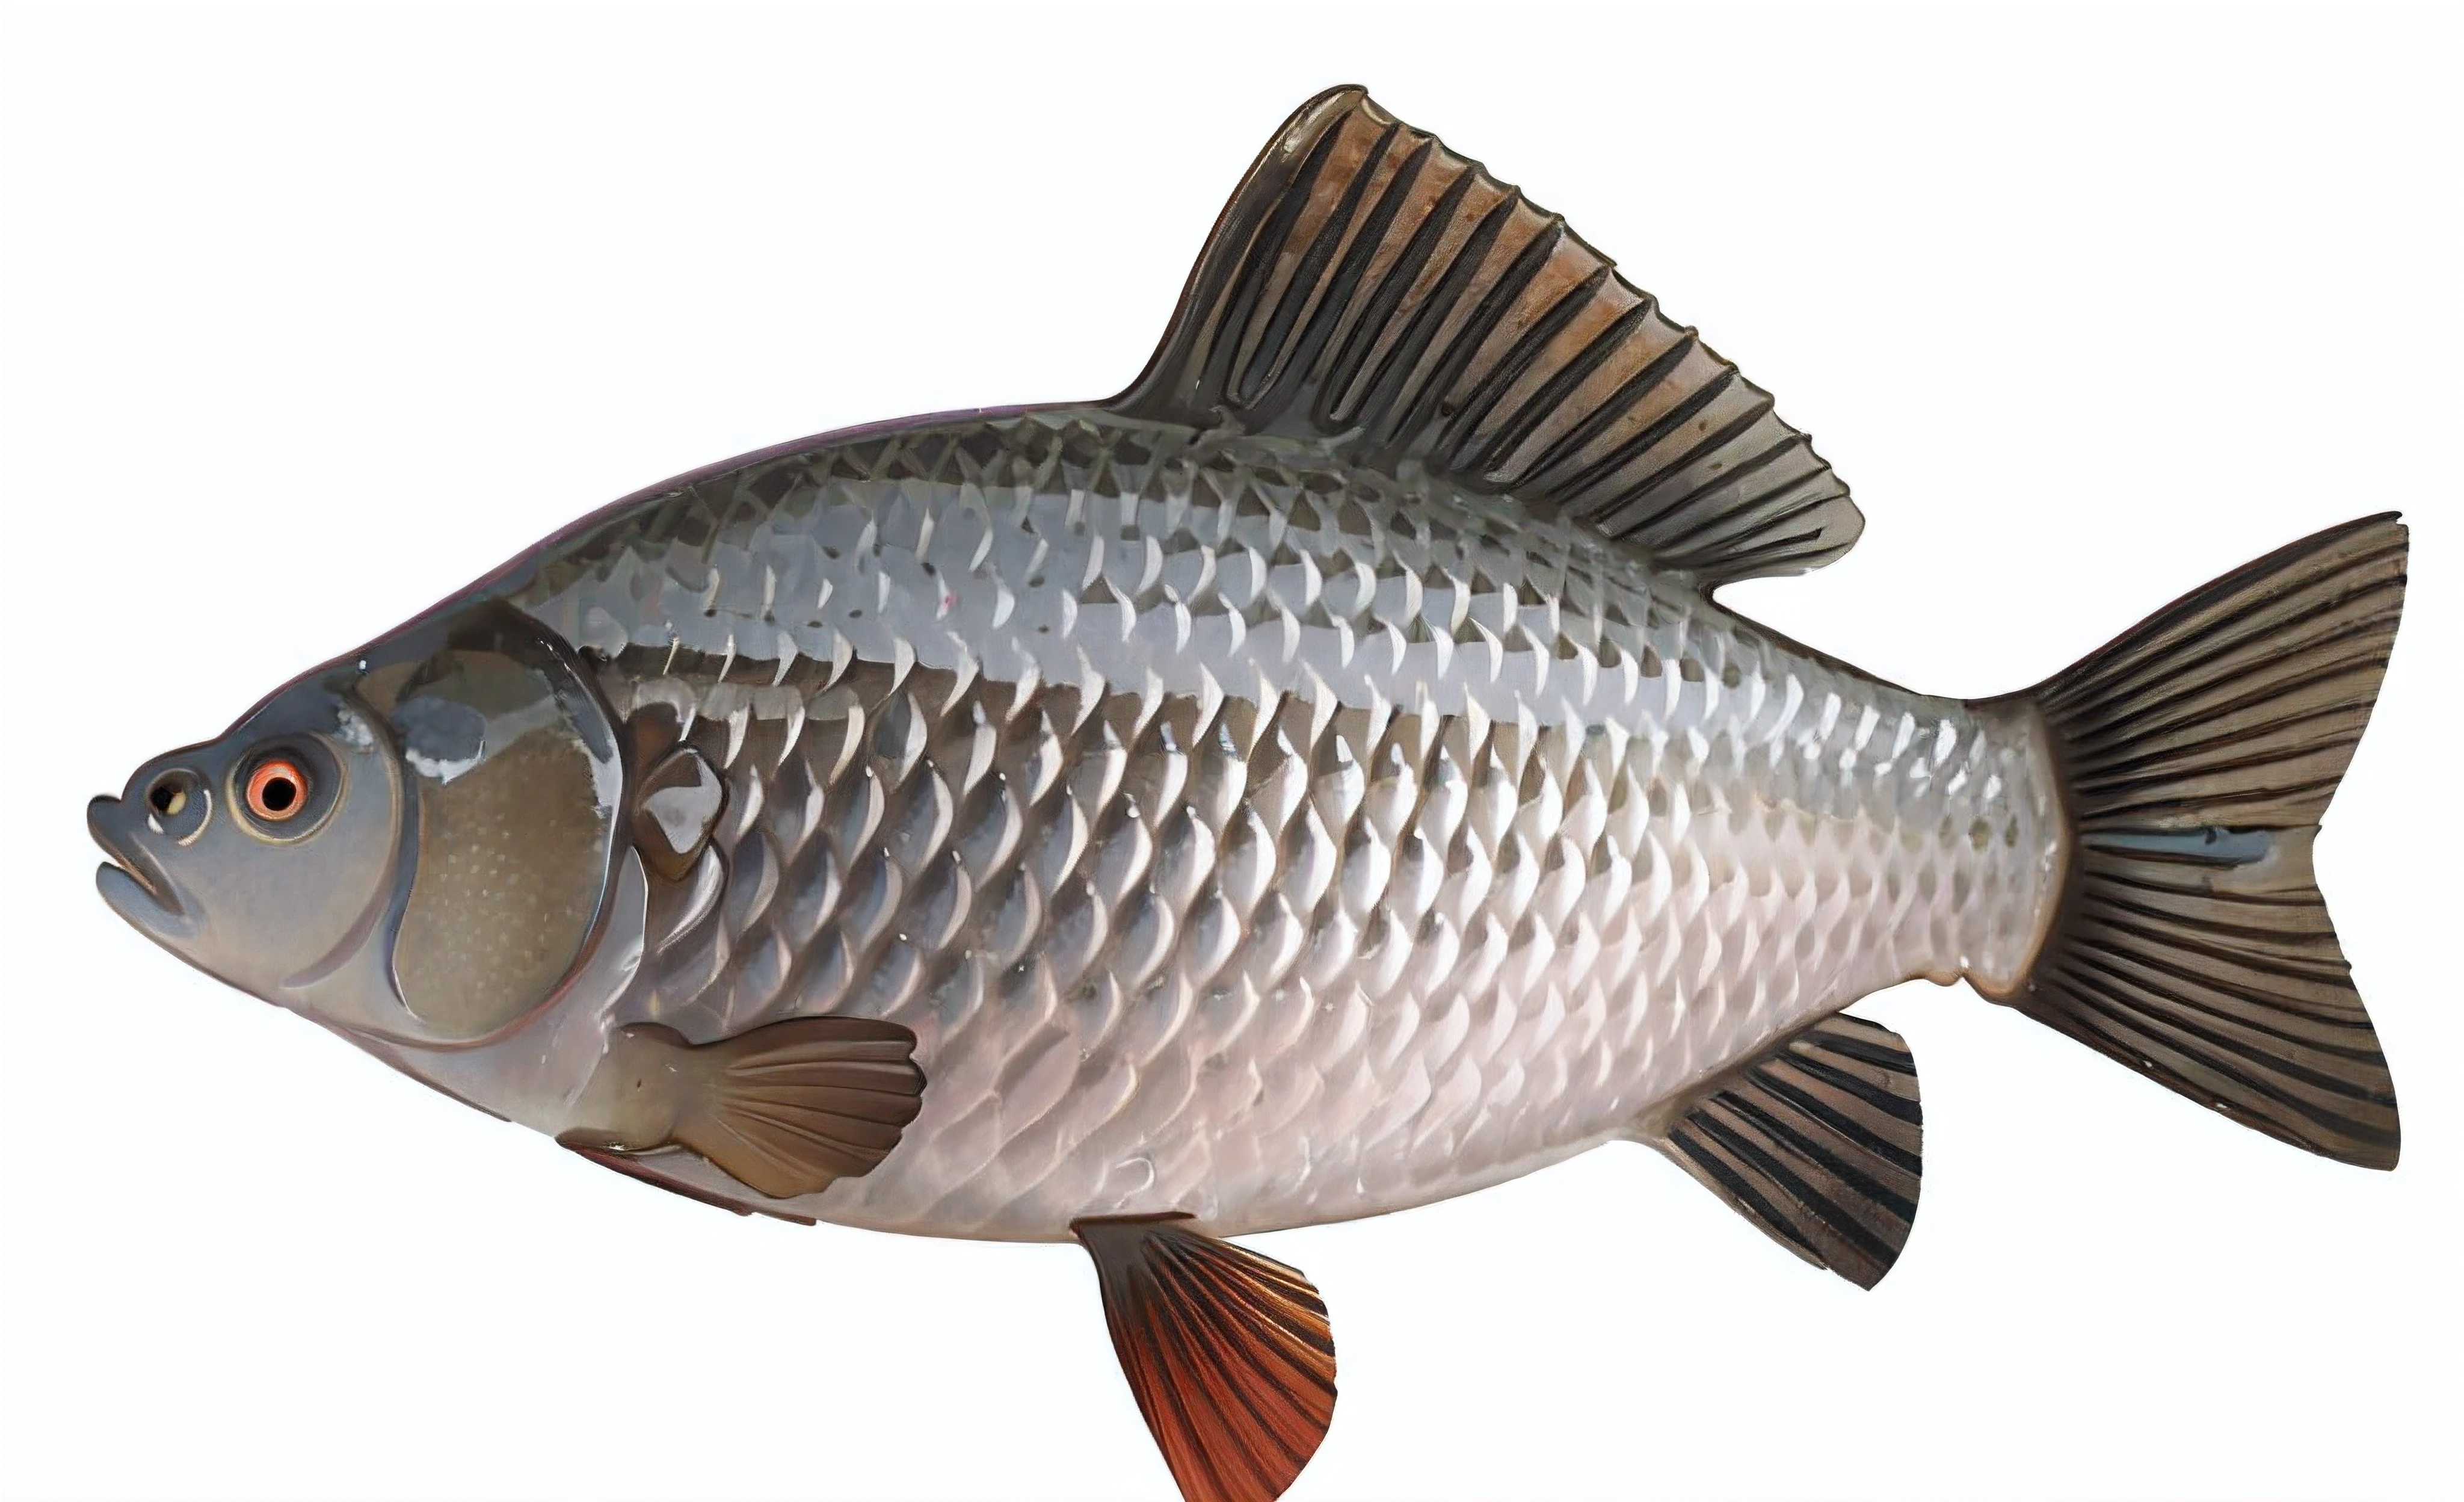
(1226, 1351)
(785, 1110)
(1817, 1140)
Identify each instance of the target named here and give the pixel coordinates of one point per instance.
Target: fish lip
(133, 882)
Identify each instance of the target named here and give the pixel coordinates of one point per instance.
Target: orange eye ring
(277, 789)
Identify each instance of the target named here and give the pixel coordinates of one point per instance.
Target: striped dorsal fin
(1367, 287)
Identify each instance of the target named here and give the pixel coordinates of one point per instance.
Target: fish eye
(283, 789)
(277, 789)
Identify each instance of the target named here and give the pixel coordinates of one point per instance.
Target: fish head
(252, 856)
(414, 844)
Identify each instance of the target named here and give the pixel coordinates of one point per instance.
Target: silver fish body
(1247, 835)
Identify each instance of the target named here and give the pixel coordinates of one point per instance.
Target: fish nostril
(170, 795)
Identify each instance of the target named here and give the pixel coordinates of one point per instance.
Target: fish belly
(1246, 832)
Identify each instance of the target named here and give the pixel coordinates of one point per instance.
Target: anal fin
(785, 1109)
(1818, 1141)
(1227, 1352)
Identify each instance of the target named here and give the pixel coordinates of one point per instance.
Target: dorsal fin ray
(1368, 287)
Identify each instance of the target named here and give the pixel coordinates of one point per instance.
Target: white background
(309, 315)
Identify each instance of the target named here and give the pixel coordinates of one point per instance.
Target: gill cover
(512, 780)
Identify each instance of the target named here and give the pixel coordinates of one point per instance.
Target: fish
(1319, 780)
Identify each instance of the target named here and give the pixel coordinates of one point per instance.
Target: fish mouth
(133, 882)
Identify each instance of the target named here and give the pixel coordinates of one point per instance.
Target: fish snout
(168, 807)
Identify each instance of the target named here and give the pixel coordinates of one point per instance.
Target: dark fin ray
(2197, 754)
(1227, 1352)
(1367, 287)
(1818, 1141)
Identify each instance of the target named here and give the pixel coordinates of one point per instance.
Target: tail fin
(2196, 755)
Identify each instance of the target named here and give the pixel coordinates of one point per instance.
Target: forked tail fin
(2196, 755)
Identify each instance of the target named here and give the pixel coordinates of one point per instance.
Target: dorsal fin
(1369, 287)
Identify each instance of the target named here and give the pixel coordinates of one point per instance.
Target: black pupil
(161, 797)
(279, 793)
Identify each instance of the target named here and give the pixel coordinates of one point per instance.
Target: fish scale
(1560, 899)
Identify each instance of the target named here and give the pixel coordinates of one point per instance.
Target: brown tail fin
(2197, 753)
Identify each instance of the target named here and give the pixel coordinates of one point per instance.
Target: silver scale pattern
(1245, 834)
